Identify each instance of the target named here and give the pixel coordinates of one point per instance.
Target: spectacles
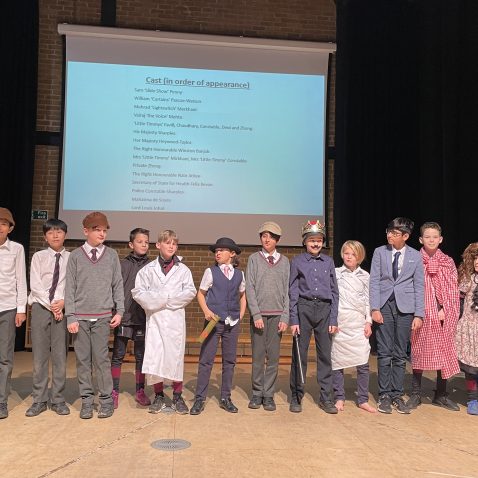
(393, 233)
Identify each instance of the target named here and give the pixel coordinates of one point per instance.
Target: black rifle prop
(299, 362)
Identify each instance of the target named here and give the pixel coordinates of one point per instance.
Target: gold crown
(313, 227)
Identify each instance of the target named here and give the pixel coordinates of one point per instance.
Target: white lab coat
(350, 347)
(164, 297)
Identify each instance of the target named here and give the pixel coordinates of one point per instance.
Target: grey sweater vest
(267, 287)
(93, 289)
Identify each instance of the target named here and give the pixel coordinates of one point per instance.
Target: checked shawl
(433, 345)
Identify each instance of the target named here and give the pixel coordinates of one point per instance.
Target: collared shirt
(206, 281)
(274, 254)
(313, 277)
(401, 258)
(13, 281)
(41, 276)
(99, 250)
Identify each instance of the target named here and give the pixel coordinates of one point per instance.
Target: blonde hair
(168, 235)
(357, 248)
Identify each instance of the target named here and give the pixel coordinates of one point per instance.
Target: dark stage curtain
(406, 119)
(18, 97)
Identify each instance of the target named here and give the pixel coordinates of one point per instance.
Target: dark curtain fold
(407, 102)
(18, 99)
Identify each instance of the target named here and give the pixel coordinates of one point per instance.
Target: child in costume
(397, 301)
(466, 339)
(133, 322)
(314, 300)
(221, 293)
(164, 287)
(433, 344)
(267, 292)
(350, 345)
(94, 303)
(48, 327)
(13, 302)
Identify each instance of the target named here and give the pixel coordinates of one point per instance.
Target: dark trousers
(362, 384)
(265, 356)
(91, 349)
(229, 336)
(119, 351)
(313, 317)
(49, 340)
(7, 347)
(392, 341)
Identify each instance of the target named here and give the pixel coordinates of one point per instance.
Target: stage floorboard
(431, 442)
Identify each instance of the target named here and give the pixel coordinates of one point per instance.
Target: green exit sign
(43, 215)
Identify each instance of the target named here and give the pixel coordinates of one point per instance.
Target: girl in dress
(467, 329)
(350, 346)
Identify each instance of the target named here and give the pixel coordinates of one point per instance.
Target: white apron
(350, 347)
(164, 297)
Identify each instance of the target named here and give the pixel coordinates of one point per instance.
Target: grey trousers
(265, 356)
(91, 349)
(49, 340)
(7, 347)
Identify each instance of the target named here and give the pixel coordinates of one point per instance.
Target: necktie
(395, 265)
(56, 276)
(226, 271)
(93, 254)
(270, 259)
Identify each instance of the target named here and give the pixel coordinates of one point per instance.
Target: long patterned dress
(467, 330)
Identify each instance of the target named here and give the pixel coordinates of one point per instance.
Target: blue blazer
(409, 288)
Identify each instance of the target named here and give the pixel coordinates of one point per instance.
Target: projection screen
(207, 135)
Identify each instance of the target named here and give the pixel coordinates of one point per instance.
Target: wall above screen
(206, 135)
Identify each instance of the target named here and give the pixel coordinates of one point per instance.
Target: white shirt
(41, 276)
(400, 259)
(274, 254)
(206, 281)
(88, 249)
(13, 280)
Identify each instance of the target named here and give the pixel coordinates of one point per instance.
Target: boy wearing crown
(314, 299)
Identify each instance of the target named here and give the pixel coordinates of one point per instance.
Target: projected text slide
(141, 138)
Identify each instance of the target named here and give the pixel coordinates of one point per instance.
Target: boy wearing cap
(314, 299)
(13, 301)
(267, 292)
(397, 302)
(94, 303)
(222, 294)
(48, 328)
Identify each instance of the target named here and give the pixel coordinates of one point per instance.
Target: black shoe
(384, 404)
(255, 402)
(158, 404)
(60, 408)
(269, 404)
(226, 404)
(36, 409)
(295, 406)
(445, 402)
(3, 410)
(86, 411)
(414, 401)
(179, 405)
(400, 406)
(106, 410)
(198, 407)
(328, 406)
